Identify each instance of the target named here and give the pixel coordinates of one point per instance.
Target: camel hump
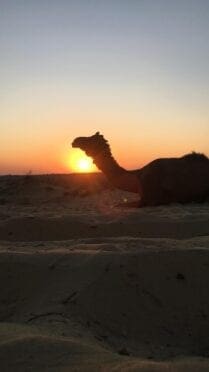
(195, 156)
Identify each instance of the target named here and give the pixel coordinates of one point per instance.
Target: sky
(137, 71)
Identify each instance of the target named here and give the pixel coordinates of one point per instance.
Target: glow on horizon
(135, 71)
(79, 162)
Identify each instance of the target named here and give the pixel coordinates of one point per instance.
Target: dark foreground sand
(87, 286)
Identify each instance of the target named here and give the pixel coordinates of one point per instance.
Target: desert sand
(90, 286)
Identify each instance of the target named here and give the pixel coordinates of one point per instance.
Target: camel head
(92, 145)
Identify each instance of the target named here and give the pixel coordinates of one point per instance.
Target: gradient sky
(137, 71)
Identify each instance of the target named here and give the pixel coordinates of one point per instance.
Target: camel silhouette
(162, 181)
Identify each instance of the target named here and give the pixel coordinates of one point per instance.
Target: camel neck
(108, 165)
(118, 176)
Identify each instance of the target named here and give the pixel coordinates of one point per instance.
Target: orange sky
(135, 139)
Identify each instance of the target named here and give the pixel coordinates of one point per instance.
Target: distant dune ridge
(88, 286)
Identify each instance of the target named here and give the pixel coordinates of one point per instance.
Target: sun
(79, 162)
(84, 164)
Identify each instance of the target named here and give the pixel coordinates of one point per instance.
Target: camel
(162, 181)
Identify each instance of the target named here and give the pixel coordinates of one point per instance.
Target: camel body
(162, 181)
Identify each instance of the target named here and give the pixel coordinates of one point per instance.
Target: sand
(89, 286)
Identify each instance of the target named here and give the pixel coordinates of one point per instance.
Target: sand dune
(87, 286)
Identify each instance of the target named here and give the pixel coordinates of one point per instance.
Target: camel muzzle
(75, 143)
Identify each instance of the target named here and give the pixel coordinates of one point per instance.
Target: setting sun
(79, 162)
